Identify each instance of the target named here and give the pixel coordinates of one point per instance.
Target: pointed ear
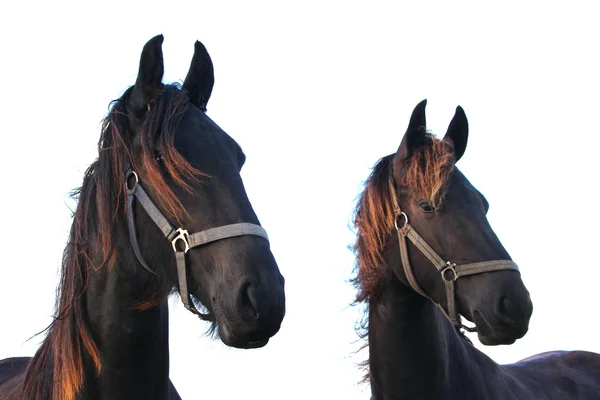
(200, 78)
(414, 138)
(458, 132)
(149, 80)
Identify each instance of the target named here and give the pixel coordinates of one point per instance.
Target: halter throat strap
(448, 270)
(180, 239)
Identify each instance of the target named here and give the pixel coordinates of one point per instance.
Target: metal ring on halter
(450, 267)
(183, 235)
(401, 214)
(127, 181)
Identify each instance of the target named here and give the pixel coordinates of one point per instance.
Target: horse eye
(426, 207)
(159, 159)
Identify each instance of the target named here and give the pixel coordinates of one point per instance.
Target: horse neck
(132, 339)
(415, 353)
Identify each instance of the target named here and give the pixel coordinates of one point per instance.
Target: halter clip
(401, 214)
(449, 267)
(183, 235)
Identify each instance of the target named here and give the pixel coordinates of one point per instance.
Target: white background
(315, 93)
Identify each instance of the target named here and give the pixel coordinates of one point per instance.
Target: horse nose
(512, 309)
(247, 303)
(259, 316)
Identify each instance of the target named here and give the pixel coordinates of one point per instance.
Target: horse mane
(425, 176)
(373, 221)
(56, 371)
(429, 169)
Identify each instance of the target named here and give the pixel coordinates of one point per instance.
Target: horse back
(559, 374)
(12, 373)
(11, 367)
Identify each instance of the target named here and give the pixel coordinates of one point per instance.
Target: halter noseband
(180, 239)
(449, 271)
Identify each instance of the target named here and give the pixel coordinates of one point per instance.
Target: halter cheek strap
(448, 270)
(180, 239)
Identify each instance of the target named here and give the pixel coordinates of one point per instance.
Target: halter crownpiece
(180, 239)
(448, 270)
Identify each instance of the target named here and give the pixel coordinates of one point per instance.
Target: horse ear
(414, 138)
(200, 78)
(149, 80)
(458, 132)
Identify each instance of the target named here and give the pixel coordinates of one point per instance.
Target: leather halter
(180, 239)
(448, 270)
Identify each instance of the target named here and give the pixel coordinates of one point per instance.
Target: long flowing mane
(373, 221)
(425, 176)
(56, 371)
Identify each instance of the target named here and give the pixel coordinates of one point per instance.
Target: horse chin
(231, 339)
(491, 336)
(494, 340)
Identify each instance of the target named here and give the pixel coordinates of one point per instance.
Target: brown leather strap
(180, 239)
(422, 245)
(485, 266)
(183, 285)
(451, 304)
(406, 264)
(449, 271)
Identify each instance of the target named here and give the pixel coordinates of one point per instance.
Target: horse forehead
(461, 189)
(198, 126)
(459, 180)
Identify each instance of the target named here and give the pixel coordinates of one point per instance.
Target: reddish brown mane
(425, 176)
(428, 170)
(56, 371)
(373, 220)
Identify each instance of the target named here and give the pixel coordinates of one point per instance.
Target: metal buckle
(449, 267)
(127, 176)
(182, 234)
(401, 214)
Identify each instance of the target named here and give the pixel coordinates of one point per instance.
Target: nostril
(505, 305)
(248, 302)
(505, 309)
(513, 312)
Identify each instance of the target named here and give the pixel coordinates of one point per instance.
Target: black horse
(426, 255)
(162, 209)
